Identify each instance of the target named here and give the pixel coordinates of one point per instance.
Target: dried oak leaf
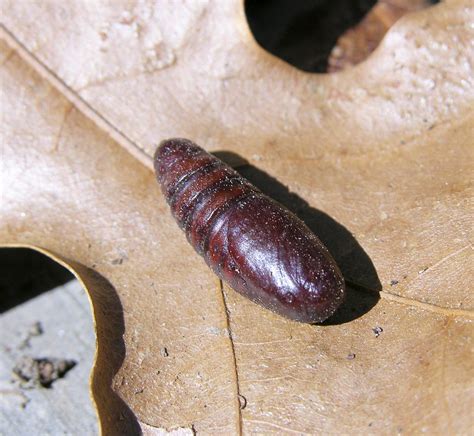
(383, 149)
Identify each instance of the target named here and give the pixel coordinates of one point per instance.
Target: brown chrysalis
(250, 241)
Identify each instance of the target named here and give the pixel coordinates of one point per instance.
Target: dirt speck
(16, 394)
(377, 330)
(36, 329)
(41, 372)
(393, 282)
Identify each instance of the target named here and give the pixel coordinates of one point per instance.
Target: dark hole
(303, 32)
(26, 273)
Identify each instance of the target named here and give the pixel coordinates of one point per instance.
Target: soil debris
(36, 329)
(41, 372)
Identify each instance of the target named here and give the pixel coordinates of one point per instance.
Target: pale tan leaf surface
(410, 379)
(131, 61)
(383, 149)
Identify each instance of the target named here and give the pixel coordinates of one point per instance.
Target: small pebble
(377, 330)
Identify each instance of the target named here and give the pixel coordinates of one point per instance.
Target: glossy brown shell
(250, 241)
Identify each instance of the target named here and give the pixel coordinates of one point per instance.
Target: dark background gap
(25, 273)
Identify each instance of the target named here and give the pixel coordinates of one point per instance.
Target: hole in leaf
(324, 35)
